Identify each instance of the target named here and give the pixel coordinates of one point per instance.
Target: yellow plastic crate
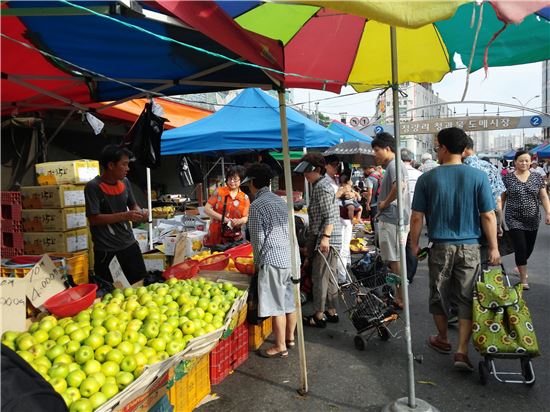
(258, 333)
(76, 264)
(267, 327)
(242, 315)
(188, 391)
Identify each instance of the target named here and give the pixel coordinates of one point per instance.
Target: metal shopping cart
(369, 305)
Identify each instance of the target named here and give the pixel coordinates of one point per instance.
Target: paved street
(344, 379)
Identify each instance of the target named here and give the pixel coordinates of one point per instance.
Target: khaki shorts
(388, 241)
(453, 271)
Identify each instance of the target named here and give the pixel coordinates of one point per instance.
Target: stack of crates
(258, 333)
(189, 383)
(54, 214)
(12, 229)
(229, 354)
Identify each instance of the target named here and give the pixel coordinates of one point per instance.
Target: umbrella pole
(306, 184)
(149, 208)
(403, 404)
(293, 244)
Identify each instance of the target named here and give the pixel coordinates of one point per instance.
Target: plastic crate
(242, 315)
(228, 355)
(11, 226)
(11, 211)
(163, 405)
(13, 240)
(10, 198)
(258, 333)
(187, 391)
(9, 252)
(76, 265)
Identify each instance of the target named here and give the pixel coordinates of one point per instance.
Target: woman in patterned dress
(524, 194)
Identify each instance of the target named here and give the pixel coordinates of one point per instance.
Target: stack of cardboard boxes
(54, 214)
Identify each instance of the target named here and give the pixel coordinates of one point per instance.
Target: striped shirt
(268, 226)
(323, 210)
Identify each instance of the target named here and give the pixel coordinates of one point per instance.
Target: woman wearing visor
(323, 240)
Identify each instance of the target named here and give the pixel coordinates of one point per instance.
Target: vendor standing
(228, 209)
(110, 207)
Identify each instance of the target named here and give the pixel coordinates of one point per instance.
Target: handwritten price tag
(44, 281)
(119, 279)
(13, 304)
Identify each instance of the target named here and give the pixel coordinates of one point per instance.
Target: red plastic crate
(11, 226)
(229, 354)
(10, 198)
(9, 252)
(11, 212)
(13, 240)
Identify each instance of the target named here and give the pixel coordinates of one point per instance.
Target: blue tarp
(509, 155)
(348, 133)
(250, 121)
(544, 153)
(537, 149)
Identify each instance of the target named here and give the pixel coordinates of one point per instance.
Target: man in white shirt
(427, 163)
(535, 168)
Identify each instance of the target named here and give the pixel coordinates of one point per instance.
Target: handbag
(252, 302)
(229, 234)
(505, 244)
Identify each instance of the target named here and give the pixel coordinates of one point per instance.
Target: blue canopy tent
(509, 155)
(544, 153)
(250, 121)
(348, 133)
(535, 150)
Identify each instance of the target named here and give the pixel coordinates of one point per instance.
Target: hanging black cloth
(143, 139)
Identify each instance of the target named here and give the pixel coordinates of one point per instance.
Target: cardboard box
(54, 220)
(154, 261)
(193, 243)
(42, 242)
(71, 171)
(45, 197)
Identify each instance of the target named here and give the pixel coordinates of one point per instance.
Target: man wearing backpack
(372, 191)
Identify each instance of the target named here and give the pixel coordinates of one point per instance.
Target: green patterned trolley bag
(501, 320)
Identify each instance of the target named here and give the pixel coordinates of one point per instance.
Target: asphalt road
(342, 378)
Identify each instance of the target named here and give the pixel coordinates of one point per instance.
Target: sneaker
(462, 363)
(452, 319)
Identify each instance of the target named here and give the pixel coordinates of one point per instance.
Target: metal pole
(293, 243)
(149, 208)
(306, 184)
(401, 229)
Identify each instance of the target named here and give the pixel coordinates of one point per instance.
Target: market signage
(466, 123)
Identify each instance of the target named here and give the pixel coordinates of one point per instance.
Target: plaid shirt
(497, 186)
(268, 226)
(323, 210)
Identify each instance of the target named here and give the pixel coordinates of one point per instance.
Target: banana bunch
(163, 211)
(359, 245)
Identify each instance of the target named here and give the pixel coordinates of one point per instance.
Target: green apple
(40, 336)
(151, 329)
(99, 377)
(71, 327)
(43, 360)
(37, 350)
(96, 322)
(59, 384)
(98, 399)
(137, 348)
(94, 341)
(128, 364)
(100, 353)
(158, 344)
(25, 342)
(83, 316)
(67, 399)
(60, 370)
(163, 355)
(111, 323)
(199, 332)
(54, 352)
(73, 366)
(64, 322)
(63, 340)
(115, 355)
(47, 323)
(71, 347)
(140, 313)
(153, 316)
(130, 305)
(209, 328)
(110, 379)
(113, 338)
(148, 352)
(174, 346)
(91, 366)
(109, 389)
(123, 379)
(73, 394)
(9, 336)
(110, 368)
(124, 317)
(63, 358)
(130, 335)
(140, 358)
(98, 313)
(88, 387)
(10, 344)
(142, 339)
(81, 405)
(212, 308)
(28, 356)
(127, 348)
(208, 317)
(192, 314)
(177, 334)
(41, 369)
(83, 354)
(99, 330)
(134, 324)
(146, 297)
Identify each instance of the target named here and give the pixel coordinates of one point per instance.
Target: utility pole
(523, 114)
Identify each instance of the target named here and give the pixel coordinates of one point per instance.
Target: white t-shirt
(414, 174)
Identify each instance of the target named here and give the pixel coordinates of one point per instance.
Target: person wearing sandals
(269, 235)
(525, 192)
(457, 202)
(323, 241)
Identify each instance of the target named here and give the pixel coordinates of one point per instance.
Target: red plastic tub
(245, 268)
(242, 250)
(215, 262)
(184, 270)
(72, 301)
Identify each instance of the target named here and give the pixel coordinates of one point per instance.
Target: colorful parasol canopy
(328, 48)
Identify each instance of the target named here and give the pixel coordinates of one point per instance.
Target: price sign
(12, 304)
(43, 281)
(119, 279)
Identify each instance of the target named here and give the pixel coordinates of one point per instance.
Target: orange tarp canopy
(177, 114)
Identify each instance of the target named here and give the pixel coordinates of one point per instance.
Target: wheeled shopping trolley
(502, 328)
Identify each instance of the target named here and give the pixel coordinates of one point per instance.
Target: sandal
(264, 354)
(525, 286)
(439, 345)
(290, 344)
(331, 318)
(314, 322)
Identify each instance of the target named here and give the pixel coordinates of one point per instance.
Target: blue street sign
(378, 129)
(536, 120)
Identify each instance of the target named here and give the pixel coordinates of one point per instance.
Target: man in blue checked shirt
(269, 235)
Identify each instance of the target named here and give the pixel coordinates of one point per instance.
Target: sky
(501, 84)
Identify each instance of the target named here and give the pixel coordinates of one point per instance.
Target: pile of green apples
(90, 357)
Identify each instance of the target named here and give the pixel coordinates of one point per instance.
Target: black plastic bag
(252, 302)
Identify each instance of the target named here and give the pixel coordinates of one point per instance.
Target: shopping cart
(502, 328)
(369, 305)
